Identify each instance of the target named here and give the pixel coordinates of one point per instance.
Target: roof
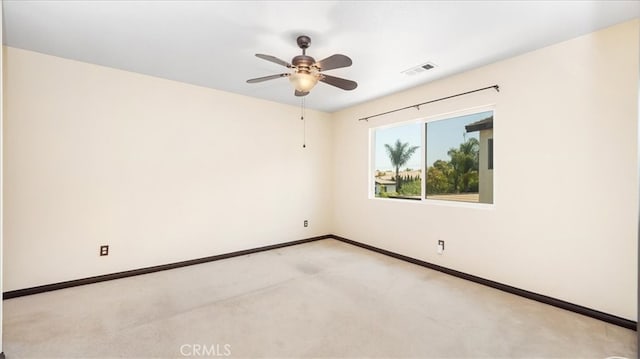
(484, 124)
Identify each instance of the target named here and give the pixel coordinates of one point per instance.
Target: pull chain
(304, 123)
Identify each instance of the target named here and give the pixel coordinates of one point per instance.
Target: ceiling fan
(307, 72)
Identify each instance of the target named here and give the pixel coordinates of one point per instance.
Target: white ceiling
(212, 43)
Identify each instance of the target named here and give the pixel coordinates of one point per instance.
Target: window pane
(458, 158)
(398, 162)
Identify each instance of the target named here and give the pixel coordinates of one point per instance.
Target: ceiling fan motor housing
(303, 62)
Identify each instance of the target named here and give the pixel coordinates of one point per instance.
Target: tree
(399, 155)
(439, 178)
(465, 163)
(411, 188)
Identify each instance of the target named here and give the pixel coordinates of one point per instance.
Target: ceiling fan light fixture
(303, 81)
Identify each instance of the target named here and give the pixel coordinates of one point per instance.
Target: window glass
(459, 158)
(397, 162)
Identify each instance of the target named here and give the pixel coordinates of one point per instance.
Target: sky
(441, 136)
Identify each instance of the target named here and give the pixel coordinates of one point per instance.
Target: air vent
(418, 69)
(427, 66)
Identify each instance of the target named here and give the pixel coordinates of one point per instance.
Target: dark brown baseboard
(134, 272)
(609, 318)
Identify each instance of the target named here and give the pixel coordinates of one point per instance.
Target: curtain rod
(417, 106)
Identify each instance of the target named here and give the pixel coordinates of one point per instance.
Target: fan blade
(265, 78)
(334, 62)
(301, 93)
(338, 82)
(274, 60)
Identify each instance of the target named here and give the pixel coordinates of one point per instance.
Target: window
(460, 158)
(397, 169)
(457, 153)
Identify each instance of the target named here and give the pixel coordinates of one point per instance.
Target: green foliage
(459, 174)
(440, 178)
(411, 188)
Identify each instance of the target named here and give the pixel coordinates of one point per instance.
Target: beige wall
(564, 223)
(159, 170)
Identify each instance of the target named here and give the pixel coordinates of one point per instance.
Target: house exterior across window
(485, 127)
(385, 186)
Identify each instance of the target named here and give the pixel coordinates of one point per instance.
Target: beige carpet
(321, 299)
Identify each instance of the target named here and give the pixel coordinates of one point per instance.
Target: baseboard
(134, 272)
(609, 318)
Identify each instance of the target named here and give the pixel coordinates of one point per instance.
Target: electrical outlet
(440, 246)
(306, 223)
(104, 250)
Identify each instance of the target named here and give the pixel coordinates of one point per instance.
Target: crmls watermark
(205, 350)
